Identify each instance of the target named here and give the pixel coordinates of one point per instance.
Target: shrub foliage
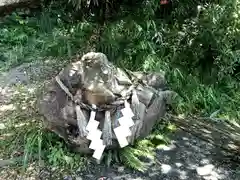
(197, 44)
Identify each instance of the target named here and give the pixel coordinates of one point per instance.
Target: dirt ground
(187, 158)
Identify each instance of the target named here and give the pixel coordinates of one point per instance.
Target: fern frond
(131, 160)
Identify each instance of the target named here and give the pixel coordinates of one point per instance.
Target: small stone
(204, 161)
(205, 170)
(178, 164)
(166, 168)
(79, 178)
(120, 169)
(2, 126)
(67, 178)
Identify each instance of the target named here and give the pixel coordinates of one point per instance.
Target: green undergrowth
(28, 37)
(196, 44)
(199, 54)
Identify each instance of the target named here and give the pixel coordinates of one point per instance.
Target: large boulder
(67, 101)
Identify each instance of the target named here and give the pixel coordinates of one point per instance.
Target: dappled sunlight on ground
(193, 158)
(8, 107)
(186, 158)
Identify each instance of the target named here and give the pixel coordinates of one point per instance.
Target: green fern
(131, 155)
(130, 159)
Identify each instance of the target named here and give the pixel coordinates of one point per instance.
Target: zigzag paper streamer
(125, 122)
(95, 136)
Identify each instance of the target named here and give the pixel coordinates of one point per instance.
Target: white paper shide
(121, 132)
